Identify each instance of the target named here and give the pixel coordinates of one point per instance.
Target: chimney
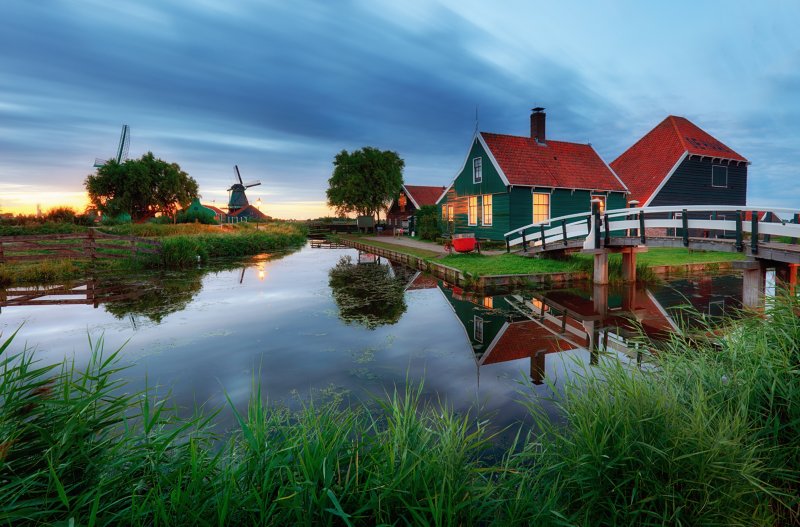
(537, 124)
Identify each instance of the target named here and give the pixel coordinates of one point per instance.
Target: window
(602, 202)
(486, 218)
(477, 170)
(450, 215)
(488, 302)
(541, 206)
(473, 210)
(719, 176)
(477, 326)
(444, 213)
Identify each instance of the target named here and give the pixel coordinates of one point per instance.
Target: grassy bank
(505, 264)
(708, 438)
(182, 244)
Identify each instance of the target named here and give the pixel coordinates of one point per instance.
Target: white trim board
(667, 178)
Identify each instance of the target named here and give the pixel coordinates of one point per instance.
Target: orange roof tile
(555, 164)
(423, 195)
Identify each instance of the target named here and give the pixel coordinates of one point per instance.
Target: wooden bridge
(767, 235)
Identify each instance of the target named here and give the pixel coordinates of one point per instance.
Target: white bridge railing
(711, 220)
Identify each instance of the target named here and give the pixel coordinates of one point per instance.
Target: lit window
(719, 176)
(486, 218)
(602, 204)
(488, 302)
(444, 213)
(477, 327)
(473, 210)
(477, 170)
(450, 215)
(541, 206)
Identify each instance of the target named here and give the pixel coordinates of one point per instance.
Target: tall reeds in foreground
(708, 438)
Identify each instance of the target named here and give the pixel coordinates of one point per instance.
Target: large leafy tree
(140, 187)
(364, 181)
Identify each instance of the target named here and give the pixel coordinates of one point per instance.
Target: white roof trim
(493, 160)
(492, 345)
(610, 170)
(477, 136)
(411, 197)
(664, 181)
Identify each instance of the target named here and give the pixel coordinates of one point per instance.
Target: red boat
(464, 243)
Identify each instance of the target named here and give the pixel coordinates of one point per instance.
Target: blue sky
(280, 87)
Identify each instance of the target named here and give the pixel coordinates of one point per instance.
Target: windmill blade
(252, 184)
(238, 175)
(124, 144)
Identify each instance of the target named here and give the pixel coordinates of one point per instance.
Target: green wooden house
(507, 182)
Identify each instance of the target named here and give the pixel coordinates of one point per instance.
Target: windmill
(236, 196)
(122, 149)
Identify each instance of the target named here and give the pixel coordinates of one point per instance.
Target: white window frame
(483, 210)
(472, 220)
(533, 204)
(477, 169)
(712, 176)
(477, 328)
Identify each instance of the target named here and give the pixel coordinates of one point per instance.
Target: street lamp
(258, 204)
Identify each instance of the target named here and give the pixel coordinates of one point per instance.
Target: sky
(279, 88)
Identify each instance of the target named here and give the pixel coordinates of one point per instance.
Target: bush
(60, 215)
(427, 219)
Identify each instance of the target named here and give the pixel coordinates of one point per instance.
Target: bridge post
(754, 232)
(563, 234)
(632, 204)
(753, 282)
(629, 265)
(793, 278)
(600, 299)
(685, 224)
(537, 367)
(600, 271)
(607, 224)
(641, 227)
(796, 220)
(541, 233)
(508, 246)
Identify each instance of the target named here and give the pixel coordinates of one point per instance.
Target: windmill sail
(122, 149)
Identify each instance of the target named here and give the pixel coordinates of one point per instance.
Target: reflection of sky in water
(286, 327)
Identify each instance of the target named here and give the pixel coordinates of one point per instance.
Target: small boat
(464, 243)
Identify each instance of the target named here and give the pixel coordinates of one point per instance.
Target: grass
(182, 245)
(481, 265)
(707, 438)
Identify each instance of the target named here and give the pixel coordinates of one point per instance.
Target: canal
(320, 323)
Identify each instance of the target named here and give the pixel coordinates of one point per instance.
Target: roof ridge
(642, 138)
(537, 142)
(677, 132)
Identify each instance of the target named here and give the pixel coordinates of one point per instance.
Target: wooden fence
(88, 245)
(90, 291)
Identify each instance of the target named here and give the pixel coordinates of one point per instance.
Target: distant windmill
(122, 149)
(236, 197)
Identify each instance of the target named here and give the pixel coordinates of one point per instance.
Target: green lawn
(483, 265)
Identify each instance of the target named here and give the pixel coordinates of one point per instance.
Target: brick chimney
(537, 124)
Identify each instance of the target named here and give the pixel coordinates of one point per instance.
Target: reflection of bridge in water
(767, 236)
(623, 321)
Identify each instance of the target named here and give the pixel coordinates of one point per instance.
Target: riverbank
(182, 245)
(708, 436)
(499, 269)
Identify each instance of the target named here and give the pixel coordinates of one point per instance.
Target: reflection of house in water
(531, 325)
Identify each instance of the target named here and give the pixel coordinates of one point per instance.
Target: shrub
(427, 219)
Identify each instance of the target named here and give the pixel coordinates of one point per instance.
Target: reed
(708, 437)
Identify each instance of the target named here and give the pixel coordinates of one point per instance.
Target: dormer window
(719, 176)
(477, 170)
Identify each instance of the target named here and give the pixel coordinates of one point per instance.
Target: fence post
(739, 244)
(641, 227)
(596, 219)
(541, 233)
(754, 232)
(632, 204)
(685, 222)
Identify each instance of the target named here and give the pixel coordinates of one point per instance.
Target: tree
(364, 181)
(427, 222)
(140, 187)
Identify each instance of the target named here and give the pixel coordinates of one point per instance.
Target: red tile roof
(215, 209)
(555, 164)
(423, 195)
(521, 340)
(645, 164)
